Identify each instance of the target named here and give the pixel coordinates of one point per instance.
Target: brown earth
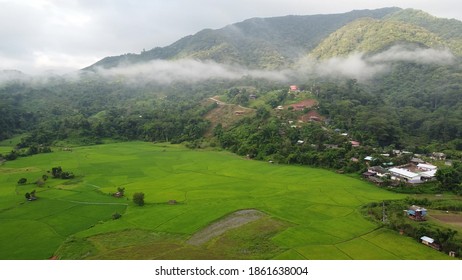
(226, 114)
(308, 103)
(450, 218)
(311, 116)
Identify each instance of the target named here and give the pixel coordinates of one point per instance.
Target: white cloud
(186, 70)
(355, 66)
(419, 55)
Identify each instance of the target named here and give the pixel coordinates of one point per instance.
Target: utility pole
(384, 213)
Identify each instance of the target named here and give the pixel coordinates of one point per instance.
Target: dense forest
(413, 107)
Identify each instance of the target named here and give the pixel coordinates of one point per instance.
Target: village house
(439, 156)
(294, 88)
(314, 119)
(370, 175)
(118, 194)
(355, 143)
(331, 146)
(404, 175)
(368, 158)
(378, 171)
(416, 160)
(426, 167)
(416, 213)
(430, 242)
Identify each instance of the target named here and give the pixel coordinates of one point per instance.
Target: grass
(311, 213)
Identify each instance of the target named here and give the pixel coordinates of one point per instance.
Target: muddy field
(449, 218)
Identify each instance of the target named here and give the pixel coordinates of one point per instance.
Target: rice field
(307, 213)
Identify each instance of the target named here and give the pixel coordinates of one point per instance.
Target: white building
(426, 167)
(406, 175)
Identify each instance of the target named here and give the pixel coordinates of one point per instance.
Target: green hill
(271, 43)
(446, 28)
(405, 26)
(370, 35)
(259, 42)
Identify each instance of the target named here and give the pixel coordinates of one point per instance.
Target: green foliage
(116, 216)
(22, 181)
(138, 198)
(31, 196)
(450, 177)
(449, 29)
(369, 35)
(448, 239)
(58, 172)
(121, 191)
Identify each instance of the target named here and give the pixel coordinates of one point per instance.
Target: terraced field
(293, 212)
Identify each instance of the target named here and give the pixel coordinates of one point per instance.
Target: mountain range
(278, 42)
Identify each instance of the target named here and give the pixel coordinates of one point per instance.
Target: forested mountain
(256, 43)
(404, 27)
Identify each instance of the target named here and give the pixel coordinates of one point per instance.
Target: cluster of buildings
(416, 172)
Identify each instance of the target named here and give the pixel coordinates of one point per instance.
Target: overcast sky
(64, 35)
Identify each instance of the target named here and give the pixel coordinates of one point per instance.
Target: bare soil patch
(233, 220)
(311, 116)
(308, 103)
(226, 114)
(453, 219)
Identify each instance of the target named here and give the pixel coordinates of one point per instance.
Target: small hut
(416, 213)
(430, 242)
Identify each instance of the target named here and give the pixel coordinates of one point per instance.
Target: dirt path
(223, 103)
(217, 101)
(234, 220)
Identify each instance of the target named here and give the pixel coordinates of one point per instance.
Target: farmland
(297, 212)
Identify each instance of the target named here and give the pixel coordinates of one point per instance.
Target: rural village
(418, 170)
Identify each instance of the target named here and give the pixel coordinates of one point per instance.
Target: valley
(295, 137)
(306, 213)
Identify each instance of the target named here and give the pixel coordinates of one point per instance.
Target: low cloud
(355, 66)
(365, 67)
(187, 70)
(419, 55)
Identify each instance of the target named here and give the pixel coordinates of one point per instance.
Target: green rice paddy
(309, 213)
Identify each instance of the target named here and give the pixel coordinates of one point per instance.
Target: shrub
(138, 198)
(116, 216)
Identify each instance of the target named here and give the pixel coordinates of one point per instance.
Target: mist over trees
(411, 106)
(402, 91)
